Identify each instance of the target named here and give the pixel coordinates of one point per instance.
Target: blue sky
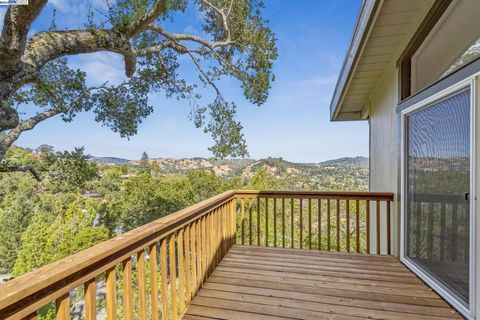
(313, 36)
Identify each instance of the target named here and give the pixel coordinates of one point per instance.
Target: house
(412, 72)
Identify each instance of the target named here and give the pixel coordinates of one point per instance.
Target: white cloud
(101, 67)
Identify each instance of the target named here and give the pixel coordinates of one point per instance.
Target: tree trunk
(3, 150)
(8, 115)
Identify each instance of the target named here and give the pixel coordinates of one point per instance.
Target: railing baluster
(198, 255)
(218, 235)
(243, 220)
(309, 224)
(429, 231)
(357, 226)
(233, 223)
(378, 227)
(193, 249)
(226, 229)
(204, 250)
(152, 253)
(181, 272)
(454, 231)
(90, 300)
(283, 222)
(258, 221)
(226, 217)
(301, 222)
(274, 222)
(173, 276)
(292, 221)
(127, 289)
(213, 247)
(338, 224)
(188, 270)
(367, 209)
(164, 277)
(210, 231)
(250, 222)
(347, 225)
(389, 238)
(329, 225)
(443, 214)
(63, 307)
(111, 294)
(142, 295)
(266, 221)
(319, 223)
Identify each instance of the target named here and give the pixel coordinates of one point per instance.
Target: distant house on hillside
(412, 71)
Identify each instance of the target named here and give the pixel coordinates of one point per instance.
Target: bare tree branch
(8, 168)
(30, 123)
(191, 37)
(159, 7)
(172, 45)
(202, 72)
(222, 15)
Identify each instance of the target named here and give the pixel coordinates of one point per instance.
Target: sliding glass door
(437, 192)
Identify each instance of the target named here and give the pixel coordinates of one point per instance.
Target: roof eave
(363, 24)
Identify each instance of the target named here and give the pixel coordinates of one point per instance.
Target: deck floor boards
(274, 283)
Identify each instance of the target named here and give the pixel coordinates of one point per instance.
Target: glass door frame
(466, 310)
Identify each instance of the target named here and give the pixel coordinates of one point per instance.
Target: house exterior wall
(384, 131)
(383, 143)
(383, 134)
(384, 127)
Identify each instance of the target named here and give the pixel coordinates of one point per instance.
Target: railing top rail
(318, 194)
(53, 280)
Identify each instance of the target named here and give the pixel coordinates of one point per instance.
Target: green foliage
(41, 222)
(205, 184)
(145, 198)
(69, 171)
(144, 164)
(262, 180)
(236, 42)
(58, 233)
(16, 207)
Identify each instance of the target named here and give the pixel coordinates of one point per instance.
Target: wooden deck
(272, 283)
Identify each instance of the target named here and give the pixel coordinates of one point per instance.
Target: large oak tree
(236, 42)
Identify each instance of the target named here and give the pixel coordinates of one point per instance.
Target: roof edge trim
(364, 21)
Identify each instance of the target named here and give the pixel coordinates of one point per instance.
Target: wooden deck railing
(154, 271)
(167, 260)
(337, 221)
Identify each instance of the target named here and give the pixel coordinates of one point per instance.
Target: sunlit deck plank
(276, 283)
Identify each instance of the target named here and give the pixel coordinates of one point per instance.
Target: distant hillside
(109, 160)
(347, 172)
(348, 161)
